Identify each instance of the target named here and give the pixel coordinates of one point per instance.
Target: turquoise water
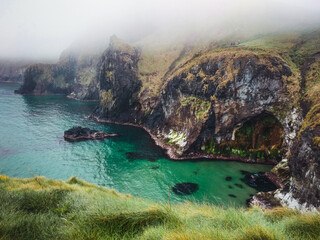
(31, 130)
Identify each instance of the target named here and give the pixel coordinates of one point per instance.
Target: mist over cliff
(43, 29)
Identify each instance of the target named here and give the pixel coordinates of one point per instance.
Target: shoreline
(172, 156)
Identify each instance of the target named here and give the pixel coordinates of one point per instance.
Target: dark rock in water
(259, 181)
(244, 172)
(229, 186)
(196, 172)
(231, 195)
(155, 167)
(140, 156)
(238, 185)
(228, 178)
(78, 133)
(185, 188)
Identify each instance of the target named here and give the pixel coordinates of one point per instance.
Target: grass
(198, 107)
(312, 119)
(76, 209)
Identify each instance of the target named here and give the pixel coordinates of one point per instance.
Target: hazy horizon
(40, 29)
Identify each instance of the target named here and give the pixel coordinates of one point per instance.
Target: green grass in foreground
(50, 209)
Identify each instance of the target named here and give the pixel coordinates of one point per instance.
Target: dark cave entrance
(258, 137)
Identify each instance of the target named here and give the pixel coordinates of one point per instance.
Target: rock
(73, 75)
(228, 179)
(78, 133)
(229, 186)
(265, 200)
(119, 82)
(196, 171)
(155, 167)
(259, 181)
(13, 70)
(185, 188)
(140, 156)
(238, 185)
(280, 174)
(201, 103)
(304, 162)
(232, 195)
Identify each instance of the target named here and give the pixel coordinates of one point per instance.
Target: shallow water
(31, 130)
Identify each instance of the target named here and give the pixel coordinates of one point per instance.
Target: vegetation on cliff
(40, 208)
(260, 137)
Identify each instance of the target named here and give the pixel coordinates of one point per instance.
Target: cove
(31, 130)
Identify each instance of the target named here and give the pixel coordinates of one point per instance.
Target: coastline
(172, 156)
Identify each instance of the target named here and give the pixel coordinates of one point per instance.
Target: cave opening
(260, 137)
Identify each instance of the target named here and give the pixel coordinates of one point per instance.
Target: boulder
(78, 133)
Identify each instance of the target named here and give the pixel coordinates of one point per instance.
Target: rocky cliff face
(234, 103)
(13, 71)
(202, 107)
(74, 74)
(213, 97)
(119, 83)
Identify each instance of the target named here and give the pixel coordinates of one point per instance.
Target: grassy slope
(50, 209)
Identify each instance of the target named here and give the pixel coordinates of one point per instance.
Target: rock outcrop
(12, 71)
(119, 83)
(79, 133)
(203, 105)
(303, 189)
(73, 75)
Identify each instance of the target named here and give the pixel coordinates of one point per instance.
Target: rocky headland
(257, 102)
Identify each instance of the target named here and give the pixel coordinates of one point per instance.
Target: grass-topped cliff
(207, 98)
(40, 208)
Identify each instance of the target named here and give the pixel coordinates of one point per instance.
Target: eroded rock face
(74, 74)
(211, 100)
(205, 101)
(264, 200)
(12, 71)
(119, 83)
(303, 191)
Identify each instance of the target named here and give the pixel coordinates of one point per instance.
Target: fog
(42, 29)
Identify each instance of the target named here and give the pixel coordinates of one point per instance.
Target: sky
(44, 28)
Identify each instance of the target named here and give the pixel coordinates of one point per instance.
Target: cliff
(234, 103)
(254, 102)
(225, 102)
(12, 71)
(74, 74)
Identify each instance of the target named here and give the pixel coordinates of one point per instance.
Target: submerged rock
(232, 195)
(155, 167)
(185, 188)
(228, 179)
(140, 156)
(238, 185)
(78, 133)
(258, 181)
(196, 171)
